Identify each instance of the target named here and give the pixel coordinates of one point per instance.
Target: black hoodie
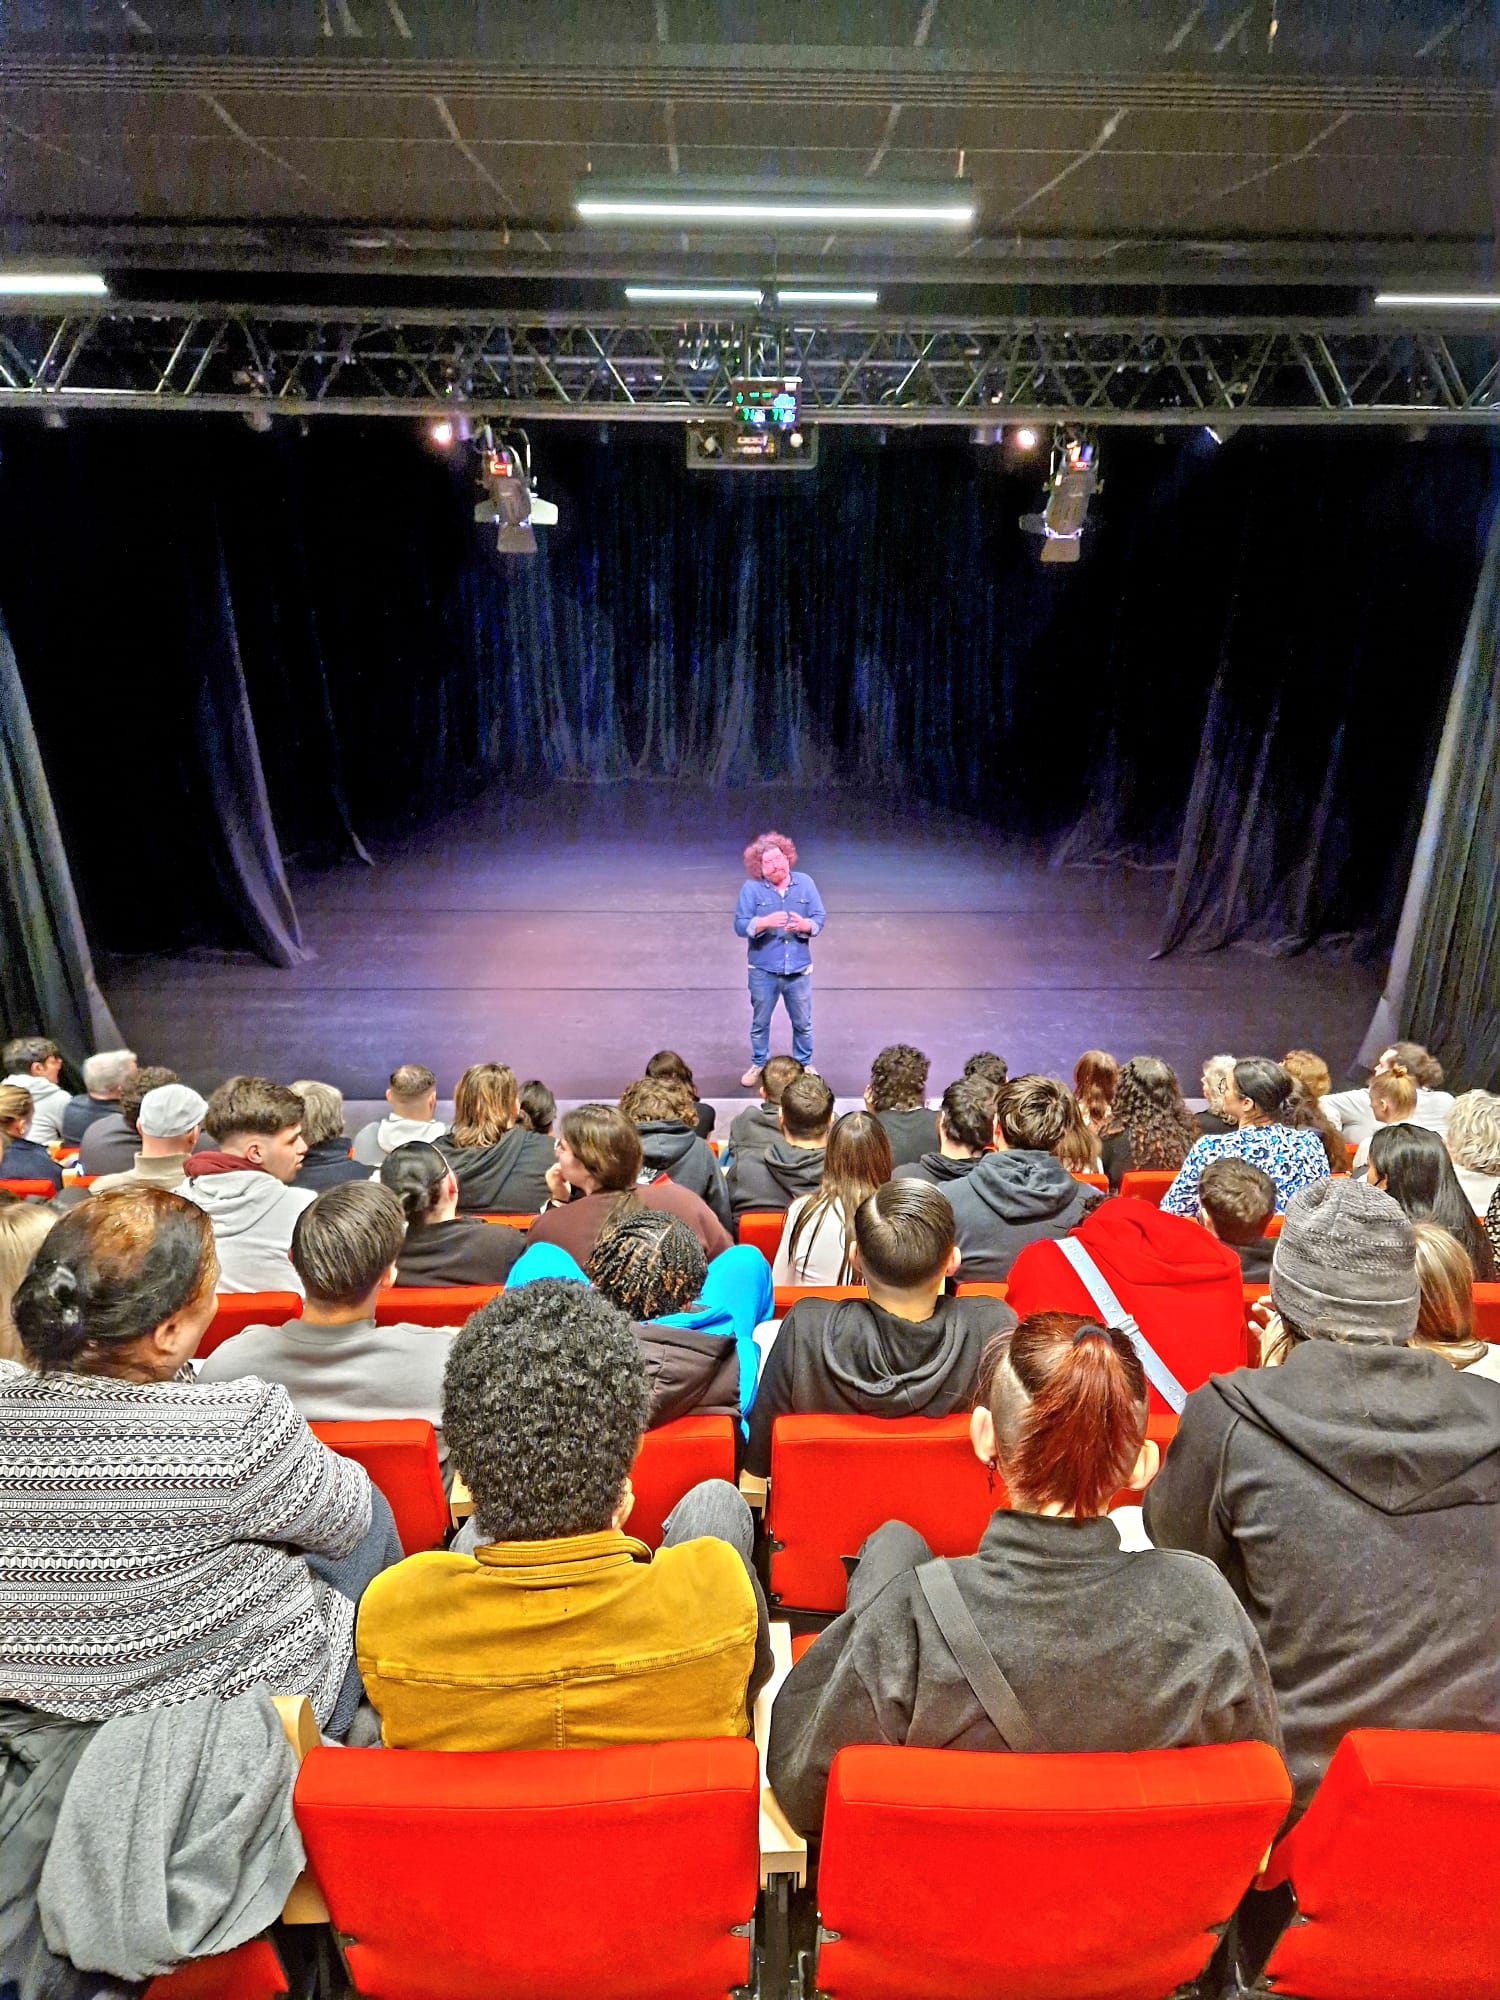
(851, 1357)
(1009, 1200)
(912, 1132)
(1352, 1499)
(937, 1170)
(508, 1178)
(774, 1178)
(670, 1146)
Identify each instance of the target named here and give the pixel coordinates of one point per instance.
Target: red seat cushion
(1099, 1877)
(1487, 1312)
(609, 1874)
(1393, 1866)
(250, 1972)
(400, 1455)
(432, 1305)
(234, 1311)
(672, 1459)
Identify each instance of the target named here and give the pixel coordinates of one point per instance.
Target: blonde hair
(1395, 1088)
(486, 1104)
(322, 1111)
(23, 1224)
(1474, 1131)
(1310, 1071)
(1445, 1284)
(15, 1102)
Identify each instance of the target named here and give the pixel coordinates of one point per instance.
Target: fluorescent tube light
(1477, 301)
(694, 295)
(51, 285)
(759, 209)
(792, 295)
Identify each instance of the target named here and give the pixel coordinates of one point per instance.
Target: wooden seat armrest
(304, 1903)
(783, 1851)
(754, 1491)
(460, 1501)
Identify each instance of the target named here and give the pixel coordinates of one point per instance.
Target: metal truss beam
(361, 362)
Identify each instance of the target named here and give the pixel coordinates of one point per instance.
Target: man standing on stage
(778, 911)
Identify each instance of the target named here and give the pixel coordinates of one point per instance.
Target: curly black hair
(544, 1403)
(647, 1263)
(1148, 1110)
(898, 1078)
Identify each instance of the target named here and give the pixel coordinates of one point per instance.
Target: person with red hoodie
(1182, 1286)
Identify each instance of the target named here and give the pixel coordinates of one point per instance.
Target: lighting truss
(655, 367)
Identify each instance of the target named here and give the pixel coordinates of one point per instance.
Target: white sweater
(821, 1254)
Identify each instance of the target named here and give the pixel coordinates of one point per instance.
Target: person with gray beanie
(1351, 1495)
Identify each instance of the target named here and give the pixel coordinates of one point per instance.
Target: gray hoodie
(253, 1216)
(383, 1135)
(774, 1178)
(1008, 1200)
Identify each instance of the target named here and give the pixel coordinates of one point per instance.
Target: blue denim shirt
(779, 951)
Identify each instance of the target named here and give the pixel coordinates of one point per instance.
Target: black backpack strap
(981, 1670)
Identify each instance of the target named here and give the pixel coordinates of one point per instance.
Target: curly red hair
(755, 852)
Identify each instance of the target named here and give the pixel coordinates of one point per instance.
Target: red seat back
(763, 1227)
(522, 1221)
(788, 1295)
(432, 1305)
(250, 1972)
(1487, 1312)
(400, 1455)
(609, 1874)
(1039, 1878)
(234, 1311)
(834, 1480)
(1275, 1226)
(672, 1459)
(1093, 1180)
(1393, 1866)
(973, 1288)
(1147, 1183)
(29, 1190)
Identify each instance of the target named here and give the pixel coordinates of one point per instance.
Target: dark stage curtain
(1443, 988)
(47, 982)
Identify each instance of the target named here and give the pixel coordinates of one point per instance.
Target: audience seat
(1147, 1183)
(1393, 1867)
(1275, 1226)
(1487, 1312)
(432, 1305)
(627, 1873)
(522, 1222)
(29, 1190)
(788, 1295)
(234, 1311)
(978, 1289)
(763, 1227)
(400, 1455)
(1093, 1180)
(672, 1459)
(1098, 1877)
(250, 1972)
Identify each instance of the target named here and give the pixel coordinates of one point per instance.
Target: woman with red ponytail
(1101, 1649)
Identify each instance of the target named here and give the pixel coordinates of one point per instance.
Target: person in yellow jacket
(555, 1628)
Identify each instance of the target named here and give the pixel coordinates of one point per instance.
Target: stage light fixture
(52, 285)
(1072, 482)
(1464, 301)
(1025, 438)
(694, 295)
(441, 433)
(796, 295)
(758, 205)
(511, 501)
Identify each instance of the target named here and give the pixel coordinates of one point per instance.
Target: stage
(572, 935)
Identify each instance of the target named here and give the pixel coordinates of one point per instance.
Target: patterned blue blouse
(1294, 1158)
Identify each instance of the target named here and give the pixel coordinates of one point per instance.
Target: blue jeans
(795, 990)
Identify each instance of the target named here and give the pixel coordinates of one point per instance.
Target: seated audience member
(1184, 1290)
(597, 1175)
(966, 1127)
(559, 1629)
(896, 1093)
(23, 1224)
(1020, 1191)
(334, 1362)
(1353, 1113)
(326, 1162)
(909, 1350)
(102, 1076)
(773, 1176)
(1078, 1148)
(442, 1247)
(33, 1064)
(669, 1067)
(1306, 1114)
(1260, 1098)
(412, 1096)
(21, 1158)
(1105, 1650)
(112, 1143)
(501, 1167)
(1351, 1496)
(168, 1121)
(1492, 1227)
(538, 1111)
(1310, 1070)
(1148, 1127)
(663, 1112)
(222, 1544)
(1217, 1079)
(818, 1239)
(243, 1183)
(754, 1128)
(1096, 1077)
(1235, 1203)
(1393, 1101)
(1474, 1146)
(1445, 1309)
(988, 1067)
(1411, 1164)
(695, 1321)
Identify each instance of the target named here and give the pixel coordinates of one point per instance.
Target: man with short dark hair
(792, 1164)
(412, 1096)
(910, 1350)
(103, 1074)
(1021, 1191)
(111, 1143)
(987, 1065)
(1236, 1199)
(966, 1125)
(35, 1064)
(757, 1125)
(242, 1184)
(896, 1093)
(559, 1629)
(336, 1364)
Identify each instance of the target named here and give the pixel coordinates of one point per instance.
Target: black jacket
(753, 1129)
(82, 1111)
(852, 1357)
(462, 1251)
(109, 1146)
(774, 1178)
(1009, 1200)
(691, 1374)
(1352, 1499)
(25, 1160)
(328, 1165)
(670, 1146)
(508, 1178)
(937, 1170)
(1106, 1651)
(704, 1118)
(912, 1133)
(1255, 1259)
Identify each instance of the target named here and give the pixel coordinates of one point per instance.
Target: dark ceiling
(194, 150)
